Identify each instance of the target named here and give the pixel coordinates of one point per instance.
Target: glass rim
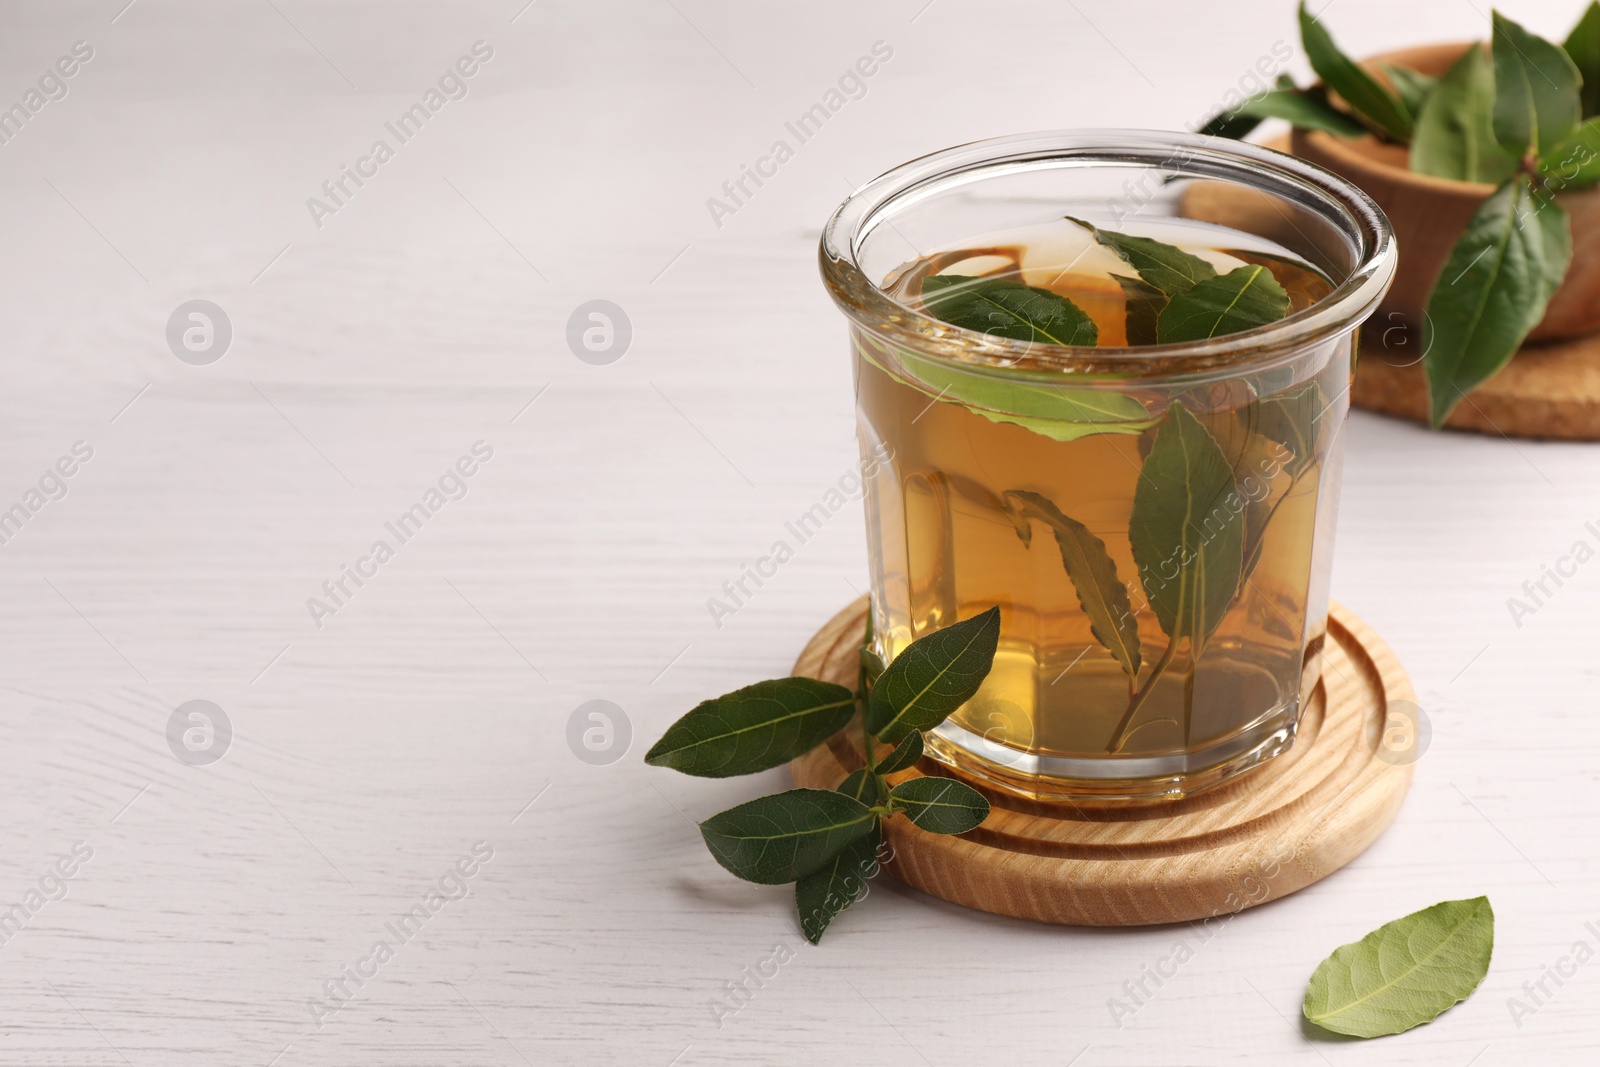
(1340, 202)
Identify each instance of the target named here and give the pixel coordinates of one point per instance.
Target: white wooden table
(430, 710)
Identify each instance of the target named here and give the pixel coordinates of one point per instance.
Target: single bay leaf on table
(934, 676)
(755, 728)
(1380, 107)
(1092, 571)
(941, 805)
(1536, 101)
(1003, 307)
(1455, 137)
(820, 897)
(1492, 291)
(786, 836)
(1406, 972)
(1187, 541)
(1242, 299)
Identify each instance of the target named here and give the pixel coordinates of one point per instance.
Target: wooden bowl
(1429, 215)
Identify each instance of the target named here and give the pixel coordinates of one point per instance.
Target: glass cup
(1156, 521)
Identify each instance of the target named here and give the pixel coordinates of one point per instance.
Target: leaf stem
(1142, 695)
(861, 695)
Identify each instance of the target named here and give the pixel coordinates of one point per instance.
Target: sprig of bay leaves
(827, 841)
(1522, 115)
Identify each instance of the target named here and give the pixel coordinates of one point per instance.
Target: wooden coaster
(1549, 390)
(1252, 839)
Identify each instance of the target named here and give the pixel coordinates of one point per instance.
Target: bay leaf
(755, 728)
(1574, 163)
(904, 755)
(1058, 411)
(1092, 571)
(1454, 136)
(1406, 972)
(1004, 307)
(1187, 529)
(1167, 267)
(1307, 109)
(821, 896)
(786, 836)
(1242, 299)
(941, 805)
(1536, 100)
(1292, 418)
(934, 676)
(1583, 46)
(1412, 86)
(1382, 109)
(862, 785)
(1493, 289)
(1144, 303)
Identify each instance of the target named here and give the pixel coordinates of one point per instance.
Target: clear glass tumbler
(1154, 521)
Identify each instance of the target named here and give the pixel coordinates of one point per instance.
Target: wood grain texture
(433, 709)
(1549, 390)
(1257, 837)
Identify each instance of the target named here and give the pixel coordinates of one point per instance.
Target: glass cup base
(1102, 779)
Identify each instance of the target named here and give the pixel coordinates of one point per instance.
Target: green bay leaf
(1187, 536)
(941, 805)
(934, 676)
(1536, 90)
(786, 836)
(1242, 299)
(1405, 973)
(1059, 412)
(1493, 289)
(1574, 163)
(1583, 46)
(1101, 592)
(755, 728)
(1292, 418)
(1412, 86)
(1144, 303)
(904, 755)
(1003, 307)
(1455, 135)
(1382, 109)
(861, 784)
(1307, 109)
(1167, 267)
(820, 897)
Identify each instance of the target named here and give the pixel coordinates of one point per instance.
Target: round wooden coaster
(1252, 839)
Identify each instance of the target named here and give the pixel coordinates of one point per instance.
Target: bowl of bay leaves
(1486, 158)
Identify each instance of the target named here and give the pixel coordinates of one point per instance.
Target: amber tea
(1151, 550)
(1110, 369)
